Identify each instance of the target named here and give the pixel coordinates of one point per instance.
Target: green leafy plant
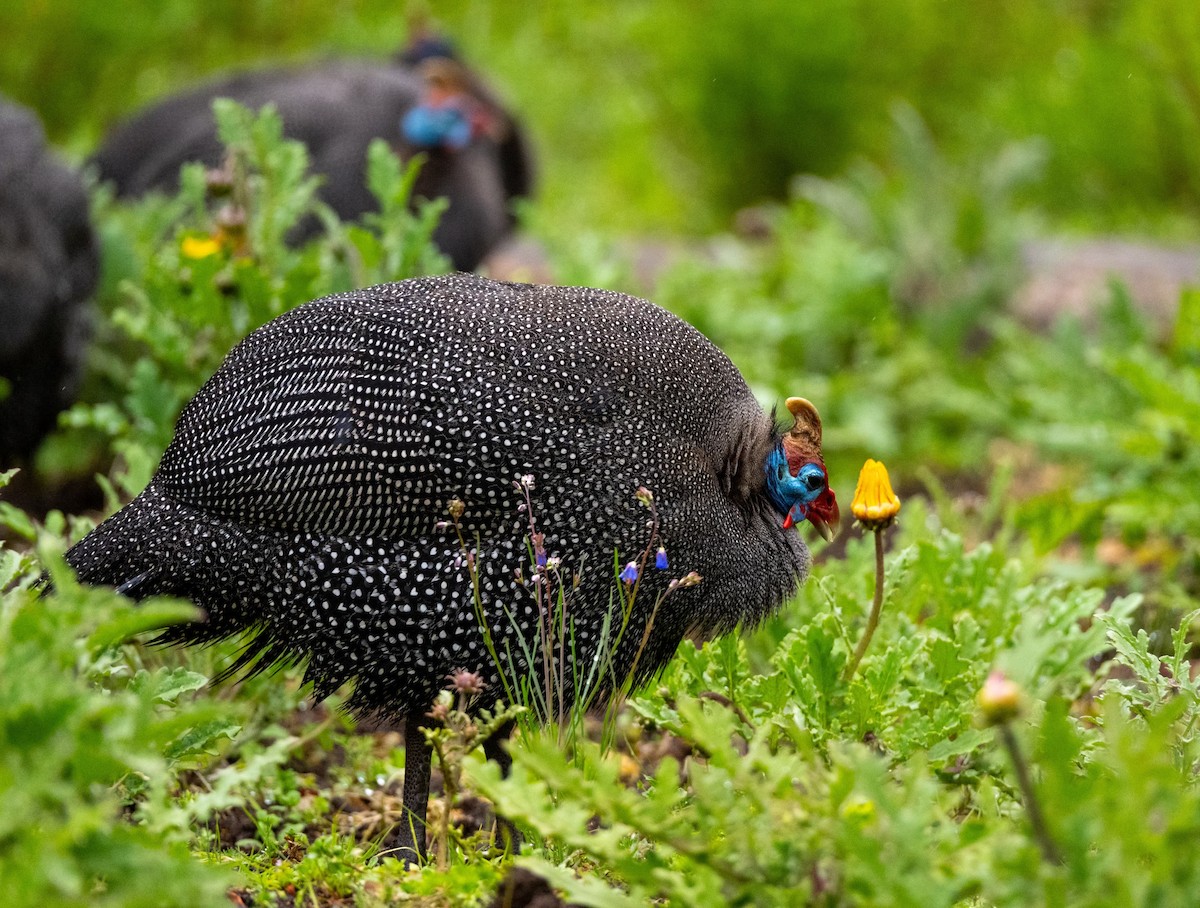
(950, 229)
(65, 744)
(780, 800)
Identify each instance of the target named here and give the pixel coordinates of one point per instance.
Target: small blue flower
(660, 560)
(630, 573)
(540, 557)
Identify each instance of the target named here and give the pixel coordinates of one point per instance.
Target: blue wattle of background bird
(428, 126)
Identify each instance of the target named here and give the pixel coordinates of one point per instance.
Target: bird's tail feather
(136, 550)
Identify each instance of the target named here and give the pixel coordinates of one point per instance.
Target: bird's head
(450, 114)
(797, 481)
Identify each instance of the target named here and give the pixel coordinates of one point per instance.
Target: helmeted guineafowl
(49, 265)
(302, 494)
(336, 109)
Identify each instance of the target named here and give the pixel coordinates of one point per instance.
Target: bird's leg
(496, 748)
(417, 756)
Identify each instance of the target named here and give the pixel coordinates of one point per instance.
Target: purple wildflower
(465, 682)
(630, 573)
(660, 559)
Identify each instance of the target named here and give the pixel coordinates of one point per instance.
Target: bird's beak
(825, 529)
(825, 515)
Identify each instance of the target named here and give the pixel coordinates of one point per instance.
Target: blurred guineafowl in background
(477, 155)
(49, 265)
(302, 494)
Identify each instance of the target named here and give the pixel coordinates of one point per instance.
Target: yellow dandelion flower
(874, 504)
(199, 247)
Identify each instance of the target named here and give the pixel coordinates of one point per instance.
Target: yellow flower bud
(875, 504)
(999, 699)
(199, 247)
(629, 770)
(860, 811)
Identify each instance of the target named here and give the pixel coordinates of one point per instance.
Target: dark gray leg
(417, 755)
(496, 748)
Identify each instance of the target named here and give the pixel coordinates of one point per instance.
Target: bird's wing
(367, 413)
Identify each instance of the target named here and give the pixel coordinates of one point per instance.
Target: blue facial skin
(436, 127)
(793, 494)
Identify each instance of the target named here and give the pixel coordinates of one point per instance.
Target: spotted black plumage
(302, 491)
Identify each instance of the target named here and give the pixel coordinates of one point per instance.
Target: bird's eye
(813, 478)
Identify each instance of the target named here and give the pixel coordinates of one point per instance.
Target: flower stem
(876, 607)
(1032, 806)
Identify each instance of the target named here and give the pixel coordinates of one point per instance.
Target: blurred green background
(670, 116)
